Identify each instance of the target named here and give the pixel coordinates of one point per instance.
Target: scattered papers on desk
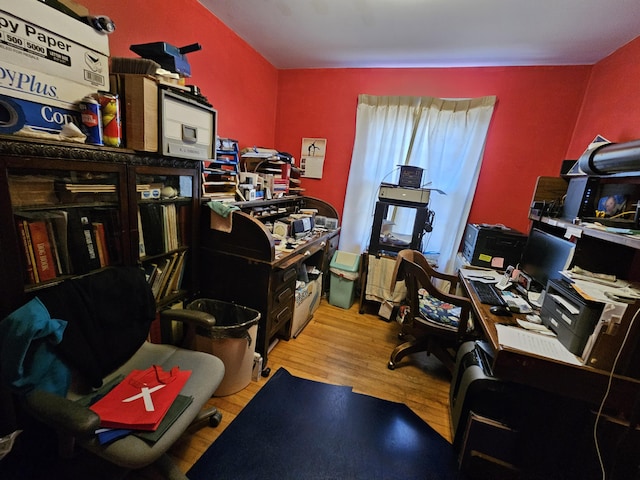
(602, 292)
(535, 327)
(601, 278)
(535, 343)
(485, 276)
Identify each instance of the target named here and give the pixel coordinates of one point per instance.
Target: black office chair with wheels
(90, 331)
(437, 321)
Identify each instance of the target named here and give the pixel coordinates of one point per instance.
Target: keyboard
(487, 293)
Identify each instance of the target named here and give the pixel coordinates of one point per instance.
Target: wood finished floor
(341, 347)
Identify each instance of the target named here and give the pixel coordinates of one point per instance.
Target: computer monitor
(544, 256)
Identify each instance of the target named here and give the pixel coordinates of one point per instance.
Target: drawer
(283, 296)
(279, 277)
(279, 318)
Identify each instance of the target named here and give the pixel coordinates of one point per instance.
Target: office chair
(108, 317)
(437, 321)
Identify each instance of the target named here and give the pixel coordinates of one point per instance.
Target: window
(444, 137)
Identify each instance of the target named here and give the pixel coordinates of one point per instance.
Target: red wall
(532, 129)
(532, 124)
(611, 105)
(239, 83)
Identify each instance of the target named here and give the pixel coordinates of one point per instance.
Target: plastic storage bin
(344, 273)
(232, 340)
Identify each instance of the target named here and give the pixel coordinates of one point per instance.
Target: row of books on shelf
(165, 276)
(162, 227)
(38, 190)
(86, 192)
(71, 241)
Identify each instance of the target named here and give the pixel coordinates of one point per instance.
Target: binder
(81, 241)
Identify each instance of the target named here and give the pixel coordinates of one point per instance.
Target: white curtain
(444, 137)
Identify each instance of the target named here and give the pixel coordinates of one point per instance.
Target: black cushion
(108, 313)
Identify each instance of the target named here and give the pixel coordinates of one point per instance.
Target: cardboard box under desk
(139, 104)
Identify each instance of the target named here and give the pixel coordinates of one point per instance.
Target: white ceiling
(430, 33)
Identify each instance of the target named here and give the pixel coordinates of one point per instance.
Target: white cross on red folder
(145, 394)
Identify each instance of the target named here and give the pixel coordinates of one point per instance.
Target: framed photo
(612, 204)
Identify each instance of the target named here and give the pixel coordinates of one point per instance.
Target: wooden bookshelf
(80, 203)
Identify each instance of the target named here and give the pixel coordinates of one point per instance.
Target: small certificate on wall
(312, 157)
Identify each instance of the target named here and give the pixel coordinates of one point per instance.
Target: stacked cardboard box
(49, 61)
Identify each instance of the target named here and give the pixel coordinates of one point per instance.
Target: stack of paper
(535, 343)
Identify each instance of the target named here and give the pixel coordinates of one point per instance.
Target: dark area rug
(301, 429)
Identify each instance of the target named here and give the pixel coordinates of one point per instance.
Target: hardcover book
(27, 251)
(42, 250)
(152, 228)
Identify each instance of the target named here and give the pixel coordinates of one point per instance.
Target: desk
(559, 401)
(577, 382)
(244, 266)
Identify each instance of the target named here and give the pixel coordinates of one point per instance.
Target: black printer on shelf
(492, 246)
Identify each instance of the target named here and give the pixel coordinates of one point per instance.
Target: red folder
(142, 399)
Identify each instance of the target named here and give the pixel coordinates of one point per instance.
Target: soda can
(91, 120)
(111, 119)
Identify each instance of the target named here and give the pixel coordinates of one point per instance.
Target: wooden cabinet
(244, 265)
(80, 204)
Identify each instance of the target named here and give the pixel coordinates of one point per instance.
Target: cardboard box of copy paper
(39, 100)
(40, 38)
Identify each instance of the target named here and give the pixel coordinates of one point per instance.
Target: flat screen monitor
(544, 256)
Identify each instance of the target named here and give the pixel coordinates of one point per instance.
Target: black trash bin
(232, 340)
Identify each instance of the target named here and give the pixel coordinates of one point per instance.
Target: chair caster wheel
(215, 419)
(391, 366)
(266, 372)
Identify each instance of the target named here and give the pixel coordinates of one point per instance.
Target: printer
(493, 246)
(569, 315)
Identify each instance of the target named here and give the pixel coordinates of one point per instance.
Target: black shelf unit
(379, 244)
